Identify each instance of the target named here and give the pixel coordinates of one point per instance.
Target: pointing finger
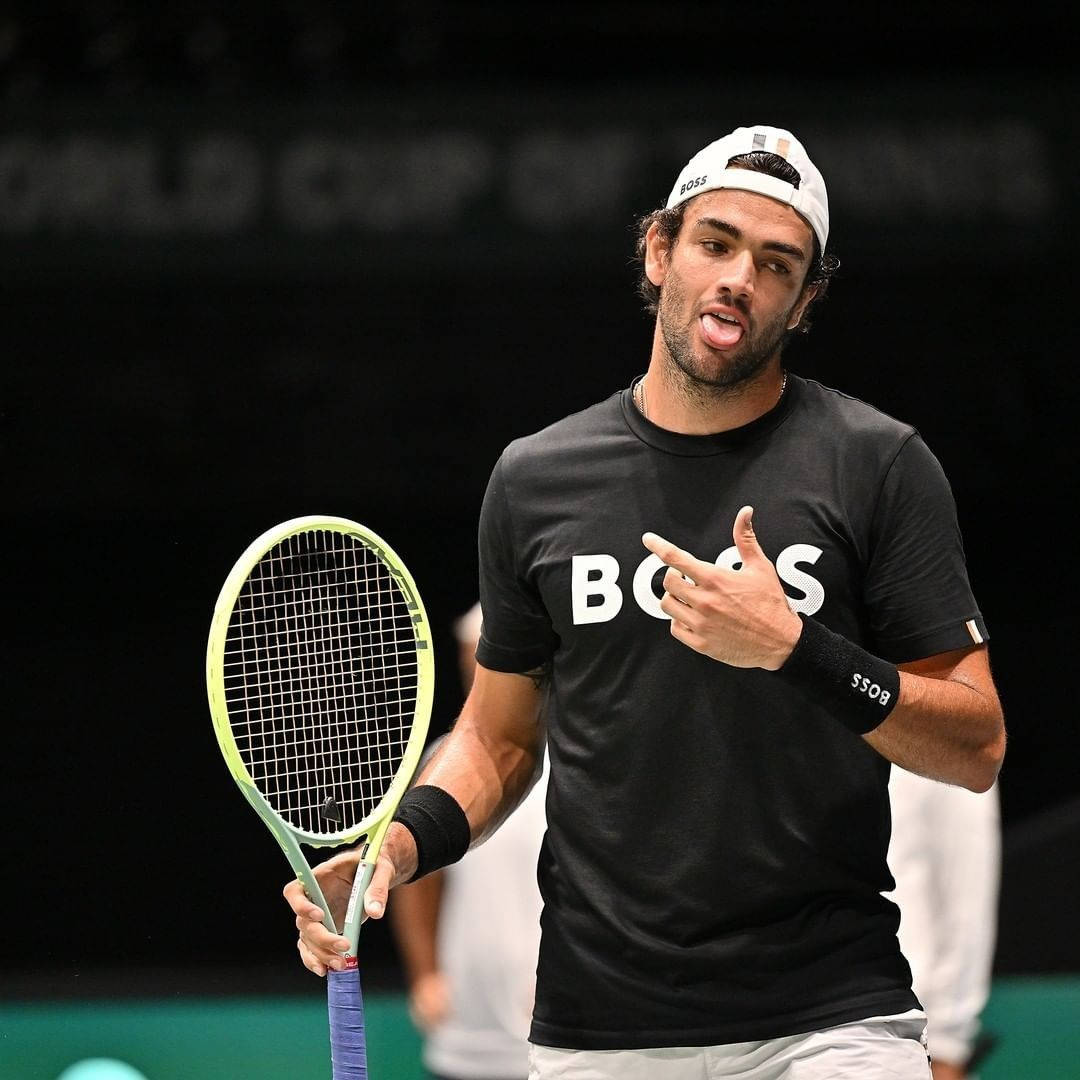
(674, 556)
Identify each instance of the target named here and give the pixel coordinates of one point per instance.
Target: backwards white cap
(707, 171)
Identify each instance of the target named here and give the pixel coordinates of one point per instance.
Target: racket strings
(321, 679)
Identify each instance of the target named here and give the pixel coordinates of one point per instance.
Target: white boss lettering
(596, 596)
(691, 184)
(871, 689)
(787, 568)
(592, 576)
(646, 599)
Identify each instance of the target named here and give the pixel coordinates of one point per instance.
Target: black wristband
(858, 689)
(438, 825)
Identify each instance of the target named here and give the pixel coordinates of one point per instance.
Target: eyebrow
(736, 234)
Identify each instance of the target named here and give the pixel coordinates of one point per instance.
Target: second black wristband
(858, 688)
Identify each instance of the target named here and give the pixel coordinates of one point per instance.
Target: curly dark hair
(669, 224)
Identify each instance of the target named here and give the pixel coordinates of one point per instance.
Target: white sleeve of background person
(946, 857)
(488, 941)
(467, 626)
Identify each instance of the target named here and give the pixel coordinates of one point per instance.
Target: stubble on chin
(706, 378)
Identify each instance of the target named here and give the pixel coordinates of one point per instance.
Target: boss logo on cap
(691, 184)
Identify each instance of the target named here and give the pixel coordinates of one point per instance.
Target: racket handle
(348, 1051)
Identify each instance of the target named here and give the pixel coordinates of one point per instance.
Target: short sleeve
(516, 634)
(917, 594)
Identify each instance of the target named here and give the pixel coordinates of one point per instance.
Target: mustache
(740, 304)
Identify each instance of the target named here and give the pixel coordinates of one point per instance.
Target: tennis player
(720, 732)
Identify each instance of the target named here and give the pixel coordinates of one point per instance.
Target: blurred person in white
(469, 934)
(945, 854)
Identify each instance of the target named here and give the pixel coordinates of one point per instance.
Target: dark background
(194, 352)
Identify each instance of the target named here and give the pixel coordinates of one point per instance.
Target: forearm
(947, 723)
(486, 765)
(488, 777)
(939, 717)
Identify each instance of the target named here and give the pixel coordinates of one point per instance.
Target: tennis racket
(319, 671)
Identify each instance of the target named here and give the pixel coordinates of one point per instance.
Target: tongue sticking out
(719, 333)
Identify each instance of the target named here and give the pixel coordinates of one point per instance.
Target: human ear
(801, 305)
(657, 250)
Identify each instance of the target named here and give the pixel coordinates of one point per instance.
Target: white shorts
(878, 1048)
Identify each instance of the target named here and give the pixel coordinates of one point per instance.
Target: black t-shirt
(715, 855)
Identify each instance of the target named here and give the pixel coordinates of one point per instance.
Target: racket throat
(354, 912)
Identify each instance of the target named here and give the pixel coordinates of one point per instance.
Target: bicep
(499, 733)
(969, 667)
(504, 709)
(494, 753)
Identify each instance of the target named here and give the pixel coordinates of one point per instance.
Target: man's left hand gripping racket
(320, 676)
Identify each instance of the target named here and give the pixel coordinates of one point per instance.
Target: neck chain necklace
(637, 392)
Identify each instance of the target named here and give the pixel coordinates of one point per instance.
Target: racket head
(320, 677)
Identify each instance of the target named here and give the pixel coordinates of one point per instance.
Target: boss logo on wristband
(871, 689)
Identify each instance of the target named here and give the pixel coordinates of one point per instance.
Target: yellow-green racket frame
(374, 826)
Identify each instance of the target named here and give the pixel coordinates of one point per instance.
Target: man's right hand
(429, 1001)
(319, 949)
(943, 1071)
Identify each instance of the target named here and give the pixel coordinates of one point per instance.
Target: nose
(737, 274)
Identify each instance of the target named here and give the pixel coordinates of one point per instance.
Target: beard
(705, 377)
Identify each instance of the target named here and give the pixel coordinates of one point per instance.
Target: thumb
(745, 538)
(378, 889)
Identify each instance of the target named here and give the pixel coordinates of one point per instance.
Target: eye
(778, 267)
(717, 247)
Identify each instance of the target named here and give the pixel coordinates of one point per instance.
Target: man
(718, 805)
(468, 937)
(945, 854)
